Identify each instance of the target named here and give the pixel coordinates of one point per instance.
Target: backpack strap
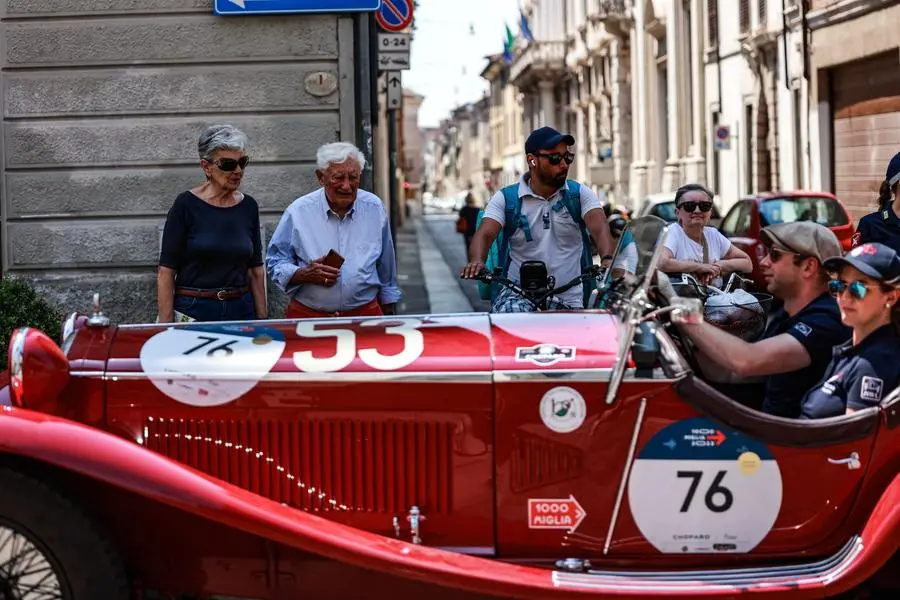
(513, 219)
(572, 203)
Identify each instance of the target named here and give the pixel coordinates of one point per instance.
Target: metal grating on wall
(319, 465)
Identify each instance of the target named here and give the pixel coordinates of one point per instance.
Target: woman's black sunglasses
(557, 158)
(229, 164)
(692, 206)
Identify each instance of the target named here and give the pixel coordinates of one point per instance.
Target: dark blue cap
(874, 260)
(546, 138)
(893, 170)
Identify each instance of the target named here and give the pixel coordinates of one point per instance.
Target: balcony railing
(539, 56)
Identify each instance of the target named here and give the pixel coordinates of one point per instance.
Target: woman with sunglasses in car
(692, 247)
(210, 262)
(866, 369)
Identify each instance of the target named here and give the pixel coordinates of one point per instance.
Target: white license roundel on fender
(210, 364)
(699, 487)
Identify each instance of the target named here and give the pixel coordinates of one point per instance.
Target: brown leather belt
(223, 294)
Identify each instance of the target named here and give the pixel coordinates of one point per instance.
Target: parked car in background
(750, 214)
(662, 205)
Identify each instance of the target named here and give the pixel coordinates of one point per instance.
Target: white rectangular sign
(393, 62)
(394, 89)
(394, 42)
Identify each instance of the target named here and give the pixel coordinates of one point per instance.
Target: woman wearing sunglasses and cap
(210, 262)
(866, 369)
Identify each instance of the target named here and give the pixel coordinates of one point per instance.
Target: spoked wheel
(27, 570)
(50, 549)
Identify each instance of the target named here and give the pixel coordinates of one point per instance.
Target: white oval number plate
(698, 487)
(210, 365)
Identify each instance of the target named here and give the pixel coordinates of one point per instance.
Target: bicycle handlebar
(538, 300)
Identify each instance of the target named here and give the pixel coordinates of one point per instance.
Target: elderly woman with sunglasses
(210, 262)
(692, 247)
(863, 371)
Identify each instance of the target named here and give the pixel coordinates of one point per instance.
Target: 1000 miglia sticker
(213, 364)
(699, 487)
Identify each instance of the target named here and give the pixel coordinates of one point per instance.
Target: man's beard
(553, 179)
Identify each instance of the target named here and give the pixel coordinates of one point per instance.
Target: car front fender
(129, 466)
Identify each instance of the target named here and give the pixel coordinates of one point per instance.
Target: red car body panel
(750, 242)
(125, 465)
(322, 431)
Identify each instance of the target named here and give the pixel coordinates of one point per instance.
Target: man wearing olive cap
(796, 347)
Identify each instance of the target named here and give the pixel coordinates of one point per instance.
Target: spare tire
(50, 548)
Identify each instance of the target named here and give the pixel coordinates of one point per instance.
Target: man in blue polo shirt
(795, 349)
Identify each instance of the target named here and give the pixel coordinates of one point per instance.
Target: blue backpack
(498, 255)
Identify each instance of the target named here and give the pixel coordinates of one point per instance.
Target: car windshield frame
(833, 208)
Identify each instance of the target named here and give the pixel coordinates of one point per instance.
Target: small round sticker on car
(700, 487)
(563, 409)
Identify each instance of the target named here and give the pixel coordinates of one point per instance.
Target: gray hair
(338, 153)
(221, 137)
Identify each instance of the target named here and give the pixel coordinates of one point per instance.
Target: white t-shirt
(559, 245)
(684, 248)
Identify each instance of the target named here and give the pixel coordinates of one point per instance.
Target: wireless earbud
(532, 162)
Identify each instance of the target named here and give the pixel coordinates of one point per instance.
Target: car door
(738, 226)
(697, 486)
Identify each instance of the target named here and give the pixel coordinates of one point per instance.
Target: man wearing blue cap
(546, 217)
(884, 225)
(864, 370)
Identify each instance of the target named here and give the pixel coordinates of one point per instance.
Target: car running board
(817, 573)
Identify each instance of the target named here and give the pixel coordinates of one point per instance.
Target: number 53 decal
(347, 347)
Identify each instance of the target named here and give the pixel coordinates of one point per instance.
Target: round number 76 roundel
(700, 487)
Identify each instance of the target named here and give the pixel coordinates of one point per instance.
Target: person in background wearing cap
(545, 229)
(884, 225)
(865, 369)
(795, 348)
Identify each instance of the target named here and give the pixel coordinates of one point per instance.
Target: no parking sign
(722, 135)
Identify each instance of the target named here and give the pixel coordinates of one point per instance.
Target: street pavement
(442, 227)
(430, 255)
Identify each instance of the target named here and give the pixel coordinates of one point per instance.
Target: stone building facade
(103, 102)
(854, 63)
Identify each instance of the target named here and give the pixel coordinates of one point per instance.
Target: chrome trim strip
(571, 376)
(470, 550)
(625, 472)
(585, 375)
(821, 572)
(729, 574)
(88, 374)
(393, 376)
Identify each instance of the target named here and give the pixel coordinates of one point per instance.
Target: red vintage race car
(546, 455)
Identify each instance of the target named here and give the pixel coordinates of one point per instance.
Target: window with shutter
(744, 16)
(712, 23)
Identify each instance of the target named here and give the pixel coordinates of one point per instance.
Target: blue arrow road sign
(269, 7)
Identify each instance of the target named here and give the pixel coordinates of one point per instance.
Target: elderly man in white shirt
(332, 252)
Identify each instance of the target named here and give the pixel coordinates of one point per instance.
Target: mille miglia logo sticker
(545, 355)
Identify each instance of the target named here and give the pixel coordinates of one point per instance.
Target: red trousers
(295, 310)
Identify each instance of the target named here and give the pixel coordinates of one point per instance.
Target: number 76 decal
(347, 346)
